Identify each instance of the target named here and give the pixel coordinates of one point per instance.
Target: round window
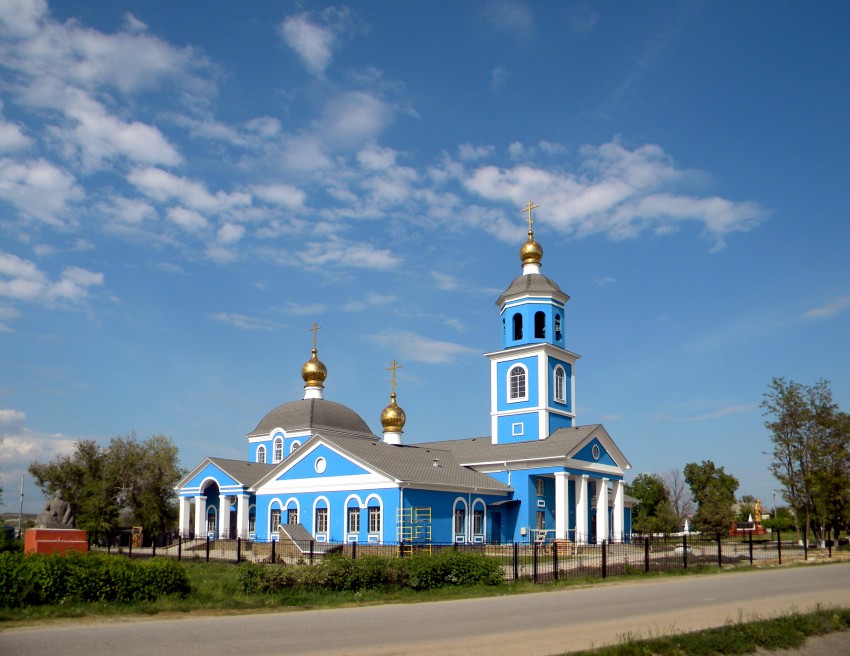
(595, 452)
(321, 465)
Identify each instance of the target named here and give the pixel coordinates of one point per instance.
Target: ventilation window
(539, 325)
(517, 326)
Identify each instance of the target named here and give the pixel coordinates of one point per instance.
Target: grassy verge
(788, 632)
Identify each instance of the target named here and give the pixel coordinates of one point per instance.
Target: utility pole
(21, 511)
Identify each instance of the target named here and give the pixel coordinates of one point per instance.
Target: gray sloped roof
(246, 473)
(312, 414)
(560, 443)
(532, 283)
(404, 463)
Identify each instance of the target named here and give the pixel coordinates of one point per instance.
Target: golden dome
(392, 418)
(531, 252)
(314, 372)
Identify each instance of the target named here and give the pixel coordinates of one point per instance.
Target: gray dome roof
(532, 283)
(316, 414)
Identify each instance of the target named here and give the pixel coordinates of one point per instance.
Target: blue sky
(186, 187)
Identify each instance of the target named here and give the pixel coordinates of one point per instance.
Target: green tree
(654, 513)
(783, 520)
(713, 491)
(811, 453)
(126, 475)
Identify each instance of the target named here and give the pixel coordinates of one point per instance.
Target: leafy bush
(336, 572)
(38, 579)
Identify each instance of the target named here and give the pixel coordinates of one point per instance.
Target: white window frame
(294, 446)
(540, 487)
(560, 384)
(261, 454)
(518, 429)
(460, 506)
(272, 523)
(321, 520)
(479, 510)
(525, 381)
(353, 511)
(375, 519)
(278, 449)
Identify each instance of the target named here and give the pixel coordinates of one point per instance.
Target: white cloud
(306, 309)
(21, 280)
(353, 118)
(163, 186)
(468, 152)
(189, 220)
(835, 306)
(335, 251)
(445, 281)
(245, 322)
(283, 195)
(619, 192)
(7, 314)
(38, 188)
(413, 347)
(133, 211)
(498, 78)
(12, 137)
(21, 18)
(512, 17)
(314, 37)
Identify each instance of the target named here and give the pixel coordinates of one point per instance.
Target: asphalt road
(543, 623)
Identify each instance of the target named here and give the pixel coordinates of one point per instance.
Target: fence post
(719, 553)
(311, 551)
(208, 547)
(555, 560)
(829, 541)
(273, 543)
(401, 549)
(130, 551)
(779, 545)
(354, 550)
(238, 549)
(153, 546)
(534, 562)
(516, 561)
(751, 548)
(179, 546)
(685, 551)
(646, 555)
(604, 558)
(806, 543)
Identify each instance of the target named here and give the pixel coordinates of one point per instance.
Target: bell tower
(532, 380)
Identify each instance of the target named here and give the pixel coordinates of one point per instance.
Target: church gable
(205, 471)
(595, 452)
(319, 461)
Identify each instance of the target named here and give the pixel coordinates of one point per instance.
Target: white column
(242, 515)
(562, 508)
(200, 516)
(185, 515)
(224, 516)
(581, 511)
(619, 511)
(602, 510)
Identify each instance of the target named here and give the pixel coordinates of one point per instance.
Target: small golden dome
(314, 372)
(392, 418)
(531, 252)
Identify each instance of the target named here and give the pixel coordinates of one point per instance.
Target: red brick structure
(55, 540)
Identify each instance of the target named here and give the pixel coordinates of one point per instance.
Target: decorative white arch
(524, 395)
(352, 536)
(327, 505)
(479, 504)
(462, 536)
(375, 536)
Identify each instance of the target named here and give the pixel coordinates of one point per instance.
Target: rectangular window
(460, 520)
(275, 521)
(517, 429)
(478, 522)
(541, 487)
(321, 520)
(354, 520)
(252, 522)
(292, 516)
(541, 520)
(374, 520)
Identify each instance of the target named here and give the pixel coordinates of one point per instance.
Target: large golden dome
(392, 418)
(314, 372)
(531, 252)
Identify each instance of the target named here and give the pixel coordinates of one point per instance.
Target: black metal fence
(535, 561)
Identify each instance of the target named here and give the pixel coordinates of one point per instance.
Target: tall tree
(713, 491)
(811, 452)
(653, 513)
(680, 497)
(126, 475)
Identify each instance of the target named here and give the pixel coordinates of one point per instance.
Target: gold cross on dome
(314, 329)
(395, 366)
(528, 208)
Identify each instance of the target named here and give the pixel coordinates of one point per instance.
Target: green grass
(787, 632)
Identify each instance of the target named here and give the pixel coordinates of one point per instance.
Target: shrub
(38, 579)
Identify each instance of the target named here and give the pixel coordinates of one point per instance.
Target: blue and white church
(315, 469)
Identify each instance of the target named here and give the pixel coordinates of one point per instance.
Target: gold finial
(314, 329)
(529, 220)
(395, 366)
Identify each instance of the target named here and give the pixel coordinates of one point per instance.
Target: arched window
(540, 325)
(503, 326)
(252, 521)
(558, 327)
(516, 381)
(560, 385)
(459, 521)
(294, 446)
(261, 454)
(278, 449)
(517, 326)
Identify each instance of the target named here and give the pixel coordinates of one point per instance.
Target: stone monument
(55, 530)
